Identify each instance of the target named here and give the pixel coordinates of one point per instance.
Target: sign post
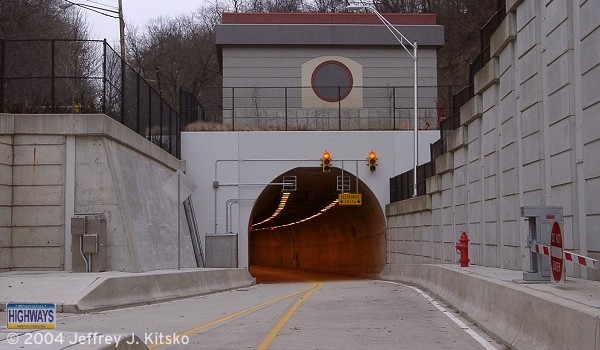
(556, 253)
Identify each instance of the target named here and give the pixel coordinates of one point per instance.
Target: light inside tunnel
(314, 231)
(329, 206)
(284, 197)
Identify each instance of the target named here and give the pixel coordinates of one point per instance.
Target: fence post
(104, 78)
(137, 112)
(149, 114)
(394, 107)
(286, 108)
(339, 108)
(122, 89)
(160, 121)
(178, 137)
(232, 109)
(2, 62)
(52, 52)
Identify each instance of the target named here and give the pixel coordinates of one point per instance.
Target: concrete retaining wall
(529, 137)
(521, 318)
(57, 165)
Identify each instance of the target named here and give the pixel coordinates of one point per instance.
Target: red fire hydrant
(462, 247)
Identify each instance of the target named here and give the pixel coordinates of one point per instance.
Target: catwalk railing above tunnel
(299, 108)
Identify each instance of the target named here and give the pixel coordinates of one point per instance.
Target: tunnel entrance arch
(308, 230)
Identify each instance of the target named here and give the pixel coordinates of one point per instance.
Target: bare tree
(35, 19)
(176, 53)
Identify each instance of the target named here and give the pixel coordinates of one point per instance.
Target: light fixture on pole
(106, 12)
(401, 39)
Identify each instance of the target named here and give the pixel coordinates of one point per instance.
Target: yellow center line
(234, 315)
(277, 328)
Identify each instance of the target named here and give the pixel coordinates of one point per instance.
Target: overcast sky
(136, 12)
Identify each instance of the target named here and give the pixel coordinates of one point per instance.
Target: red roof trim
(327, 18)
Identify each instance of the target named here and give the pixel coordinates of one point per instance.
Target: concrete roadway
(300, 311)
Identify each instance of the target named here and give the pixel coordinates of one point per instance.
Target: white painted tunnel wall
(201, 150)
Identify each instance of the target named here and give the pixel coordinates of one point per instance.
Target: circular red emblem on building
(331, 81)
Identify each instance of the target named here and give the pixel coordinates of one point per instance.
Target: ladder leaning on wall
(194, 234)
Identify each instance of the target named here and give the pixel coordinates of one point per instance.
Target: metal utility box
(88, 244)
(222, 250)
(540, 219)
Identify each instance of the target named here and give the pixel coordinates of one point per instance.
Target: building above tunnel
(323, 71)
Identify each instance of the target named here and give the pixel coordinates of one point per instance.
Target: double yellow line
(277, 328)
(273, 333)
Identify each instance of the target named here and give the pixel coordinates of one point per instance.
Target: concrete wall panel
(26, 175)
(45, 236)
(38, 195)
(530, 121)
(590, 49)
(531, 148)
(559, 136)
(5, 216)
(39, 154)
(561, 44)
(591, 123)
(590, 79)
(560, 169)
(35, 258)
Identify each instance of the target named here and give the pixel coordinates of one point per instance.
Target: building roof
(346, 29)
(327, 18)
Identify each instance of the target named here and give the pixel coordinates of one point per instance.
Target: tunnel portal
(308, 230)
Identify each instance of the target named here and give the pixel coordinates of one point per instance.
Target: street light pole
(104, 11)
(122, 29)
(401, 39)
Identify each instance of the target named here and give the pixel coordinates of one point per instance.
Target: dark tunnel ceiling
(315, 190)
(346, 240)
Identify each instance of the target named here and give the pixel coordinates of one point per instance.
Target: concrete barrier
(520, 317)
(136, 289)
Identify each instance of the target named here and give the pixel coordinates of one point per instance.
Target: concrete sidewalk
(81, 292)
(523, 315)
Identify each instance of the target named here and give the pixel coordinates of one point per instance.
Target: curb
(115, 292)
(521, 317)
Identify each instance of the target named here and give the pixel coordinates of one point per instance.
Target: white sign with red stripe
(572, 257)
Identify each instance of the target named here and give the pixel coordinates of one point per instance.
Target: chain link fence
(83, 76)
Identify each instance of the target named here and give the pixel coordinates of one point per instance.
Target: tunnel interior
(308, 230)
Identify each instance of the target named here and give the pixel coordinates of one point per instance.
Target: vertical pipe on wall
(69, 198)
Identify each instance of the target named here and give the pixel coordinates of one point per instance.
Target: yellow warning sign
(350, 198)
